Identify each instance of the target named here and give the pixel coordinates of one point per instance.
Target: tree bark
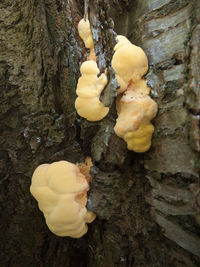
(147, 205)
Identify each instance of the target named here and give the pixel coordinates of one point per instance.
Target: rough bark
(147, 205)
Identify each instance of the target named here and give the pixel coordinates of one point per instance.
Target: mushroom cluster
(61, 191)
(61, 187)
(89, 85)
(135, 108)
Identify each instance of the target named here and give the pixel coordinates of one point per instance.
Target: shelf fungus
(135, 108)
(88, 89)
(86, 35)
(61, 191)
(90, 84)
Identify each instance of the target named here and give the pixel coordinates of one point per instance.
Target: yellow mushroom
(86, 35)
(89, 85)
(130, 65)
(133, 109)
(88, 89)
(140, 139)
(61, 191)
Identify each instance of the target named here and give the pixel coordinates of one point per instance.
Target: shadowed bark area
(147, 205)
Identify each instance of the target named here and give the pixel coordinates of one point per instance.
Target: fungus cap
(61, 191)
(121, 40)
(91, 108)
(65, 177)
(129, 58)
(85, 33)
(89, 67)
(130, 64)
(140, 140)
(133, 110)
(88, 89)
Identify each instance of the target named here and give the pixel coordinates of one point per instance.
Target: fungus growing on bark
(86, 35)
(88, 89)
(135, 108)
(89, 85)
(130, 65)
(61, 191)
(140, 139)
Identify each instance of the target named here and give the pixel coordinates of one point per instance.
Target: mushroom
(61, 191)
(133, 109)
(130, 65)
(134, 106)
(86, 35)
(88, 89)
(140, 139)
(89, 85)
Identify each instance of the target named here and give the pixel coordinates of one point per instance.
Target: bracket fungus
(89, 85)
(85, 33)
(61, 191)
(140, 139)
(135, 108)
(88, 89)
(130, 65)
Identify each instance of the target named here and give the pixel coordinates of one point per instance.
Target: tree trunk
(147, 205)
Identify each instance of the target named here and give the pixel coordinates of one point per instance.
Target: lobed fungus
(86, 35)
(140, 139)
(134, 106)
(89, 85)
(130, 65)
(134, 109)
(88, 89)
(61, 191)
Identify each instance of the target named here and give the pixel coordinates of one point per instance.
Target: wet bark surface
(147, 205)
